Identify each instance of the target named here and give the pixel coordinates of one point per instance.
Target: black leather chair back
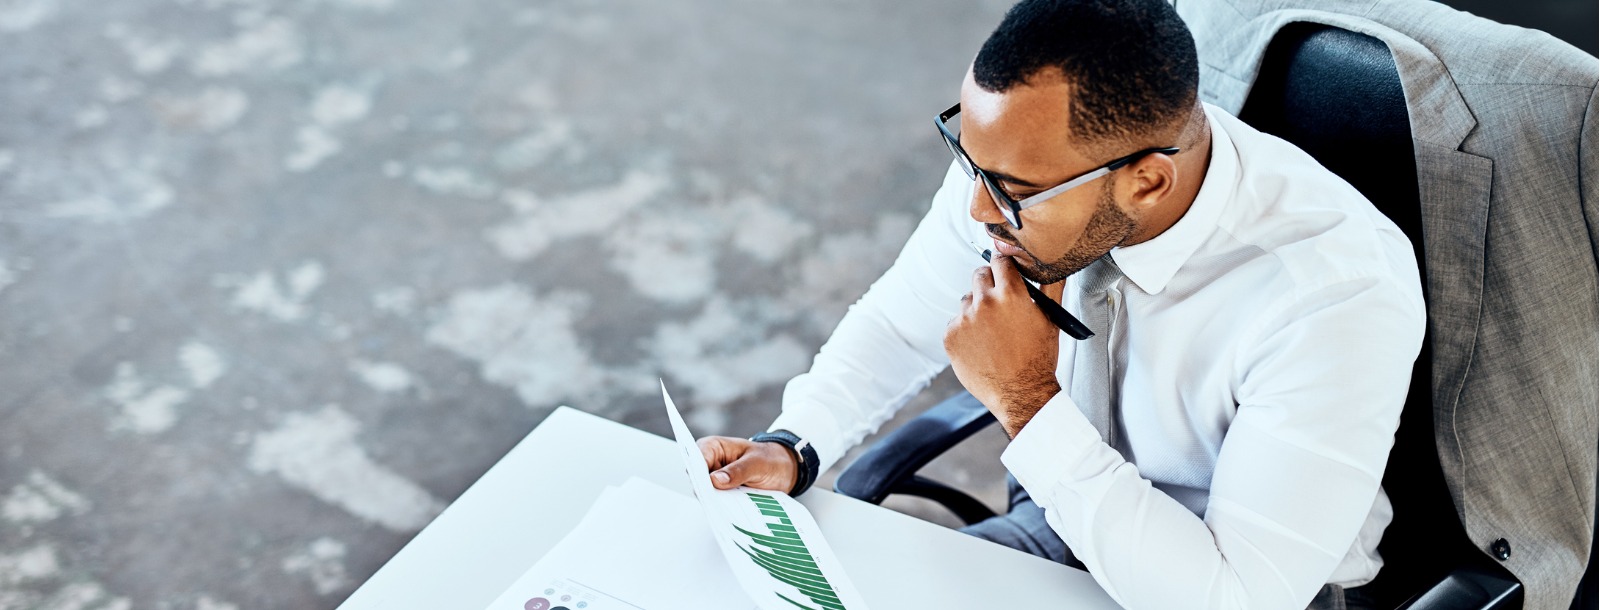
(1336, 94)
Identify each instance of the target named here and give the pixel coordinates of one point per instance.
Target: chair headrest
(1336, 94)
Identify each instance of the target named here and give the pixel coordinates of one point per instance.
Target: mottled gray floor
(279, 280)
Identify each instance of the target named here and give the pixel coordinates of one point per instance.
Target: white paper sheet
(640, 547)
(643, 547)
(770, 540)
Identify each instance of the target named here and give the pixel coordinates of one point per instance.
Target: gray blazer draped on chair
(1503, 123)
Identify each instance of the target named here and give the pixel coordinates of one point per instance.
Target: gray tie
(1091, 365)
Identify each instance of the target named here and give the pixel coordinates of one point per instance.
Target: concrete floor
(279, 280)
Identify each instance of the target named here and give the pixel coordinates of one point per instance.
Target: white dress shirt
(1263, 345)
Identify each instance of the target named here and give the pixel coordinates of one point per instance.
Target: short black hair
(1131, 63)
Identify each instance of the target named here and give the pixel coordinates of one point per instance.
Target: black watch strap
(805, 456)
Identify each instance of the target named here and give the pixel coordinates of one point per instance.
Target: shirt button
(1501, 549)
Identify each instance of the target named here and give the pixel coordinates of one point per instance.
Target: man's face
(1022, 138)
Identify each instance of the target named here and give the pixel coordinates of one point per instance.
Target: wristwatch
(805, 457)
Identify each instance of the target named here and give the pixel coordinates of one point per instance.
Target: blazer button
(1501, 549)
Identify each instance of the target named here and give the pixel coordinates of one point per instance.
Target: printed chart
(772, 544)
(644, 547)
(782, 553)
(566, 594)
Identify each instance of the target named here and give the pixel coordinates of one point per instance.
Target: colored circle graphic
(537, 603)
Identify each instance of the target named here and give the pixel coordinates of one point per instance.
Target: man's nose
(982, 208)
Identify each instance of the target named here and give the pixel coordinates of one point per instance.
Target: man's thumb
(733, 475)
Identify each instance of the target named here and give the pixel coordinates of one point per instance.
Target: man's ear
(1150, 179)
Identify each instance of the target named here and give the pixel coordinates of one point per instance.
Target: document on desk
(770, 540)
(640, 547)
(644, 547)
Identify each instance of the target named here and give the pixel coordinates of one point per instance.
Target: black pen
(1058, 316)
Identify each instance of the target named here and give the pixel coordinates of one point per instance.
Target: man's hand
(736, 461)
(1002, 348)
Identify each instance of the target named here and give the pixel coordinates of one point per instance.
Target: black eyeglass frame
(1012, 208)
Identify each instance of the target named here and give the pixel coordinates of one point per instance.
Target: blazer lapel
(1455, 188)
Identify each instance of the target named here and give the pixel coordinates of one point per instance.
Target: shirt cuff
(1053, 446)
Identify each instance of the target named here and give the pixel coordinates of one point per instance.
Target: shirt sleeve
(1319, 391)
(890, 343)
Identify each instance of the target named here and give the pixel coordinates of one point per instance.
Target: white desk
(530, 499)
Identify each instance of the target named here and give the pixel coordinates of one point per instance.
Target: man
(1220, 440)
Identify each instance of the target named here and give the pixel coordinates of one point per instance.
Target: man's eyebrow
(1007, 177)
(1013, 179)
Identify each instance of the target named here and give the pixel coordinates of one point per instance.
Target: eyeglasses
(1012, 208)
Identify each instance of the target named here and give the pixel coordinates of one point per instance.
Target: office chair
(1337, 95)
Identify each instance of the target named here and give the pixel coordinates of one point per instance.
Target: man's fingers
(720, 450)
(729, 459)
(1005, 275)
(982, 280)
(735, 474)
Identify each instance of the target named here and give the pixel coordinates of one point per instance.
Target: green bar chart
(782, 553)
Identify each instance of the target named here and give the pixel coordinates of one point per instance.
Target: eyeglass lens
(1002, 201)
(961, 159)
(1000, 198)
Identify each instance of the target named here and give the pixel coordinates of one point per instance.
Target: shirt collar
(1151, 265)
